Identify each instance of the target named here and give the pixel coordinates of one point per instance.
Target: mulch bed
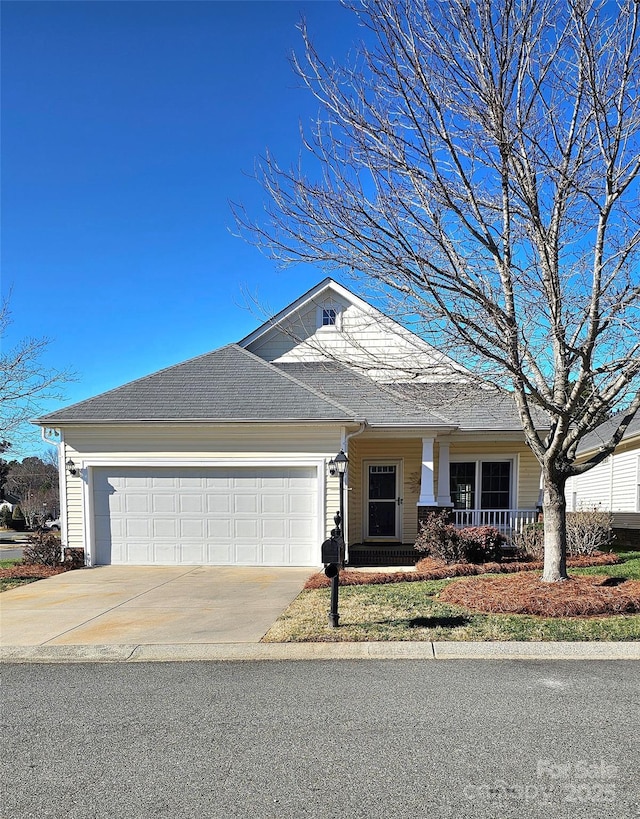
(430, 569)
(527, 594)
(30, 571)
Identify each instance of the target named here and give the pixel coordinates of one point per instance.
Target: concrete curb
(319, 651)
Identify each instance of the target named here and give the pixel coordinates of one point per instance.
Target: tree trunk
(555, 528)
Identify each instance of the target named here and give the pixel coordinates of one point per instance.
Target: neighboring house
(223, 459)
(614, 485)
(7, 503)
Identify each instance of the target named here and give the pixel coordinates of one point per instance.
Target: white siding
(368, 340)
(611, 485)
(194, 445)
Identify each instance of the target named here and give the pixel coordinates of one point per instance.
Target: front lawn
(412, 611)
(14, 573)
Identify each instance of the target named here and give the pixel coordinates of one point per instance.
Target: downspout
(345, 449)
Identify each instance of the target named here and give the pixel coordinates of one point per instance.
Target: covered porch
(396, 480)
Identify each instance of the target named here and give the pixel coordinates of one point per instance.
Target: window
(480, 484)
(463, 485)
(328, 317)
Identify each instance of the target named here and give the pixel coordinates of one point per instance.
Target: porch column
(444, 490)
(427, 498)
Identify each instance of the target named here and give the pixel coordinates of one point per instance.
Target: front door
(383, 501)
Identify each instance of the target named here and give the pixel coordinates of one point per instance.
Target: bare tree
(34, 482)
(480, 160)
(24, 380)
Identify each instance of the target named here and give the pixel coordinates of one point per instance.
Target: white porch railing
(507, 521)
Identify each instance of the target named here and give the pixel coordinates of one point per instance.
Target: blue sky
(127, 129)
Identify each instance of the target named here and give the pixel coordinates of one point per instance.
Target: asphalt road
(389, 739)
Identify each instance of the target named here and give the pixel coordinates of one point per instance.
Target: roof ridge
(273, 368)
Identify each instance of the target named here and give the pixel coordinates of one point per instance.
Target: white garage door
(217, 516)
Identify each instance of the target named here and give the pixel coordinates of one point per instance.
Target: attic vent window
(328, 317)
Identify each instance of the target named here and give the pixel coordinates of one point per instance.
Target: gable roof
(233, 384)
(328, 287)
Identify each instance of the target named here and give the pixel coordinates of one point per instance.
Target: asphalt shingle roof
(380, 404)
(468, 405)
(602, 433)
(226, 385)
(233, 384)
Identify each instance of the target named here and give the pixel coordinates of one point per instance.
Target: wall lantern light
(338, 465)
(72, 468)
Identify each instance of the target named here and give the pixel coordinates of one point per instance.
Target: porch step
(380, 556)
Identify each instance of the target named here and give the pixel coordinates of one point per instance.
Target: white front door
(383, 501)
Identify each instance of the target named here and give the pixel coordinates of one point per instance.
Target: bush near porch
(442, 540)
(589, 532)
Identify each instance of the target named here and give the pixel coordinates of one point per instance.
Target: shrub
(475, 544)
(17, 519)
(530, 541)
(439, 538)
(588, 532)
(5, 517)
(43, 549)
(481, 544)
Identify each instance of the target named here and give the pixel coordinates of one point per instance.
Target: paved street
(283, 739)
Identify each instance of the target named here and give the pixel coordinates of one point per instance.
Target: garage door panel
(225, 515)
(137, 504)
(134, 482)
(273, 504)
(189, 503)
(274, 529)
(192, 529)
(275, 555)
(219, 529)
(245, 529)
(246, 554)
(300, 505)
(245, 504)
(218, 504)
(219, 554)
(137, 553)
(164, 528)
(165, 554)
(136, 528)
(193, 554)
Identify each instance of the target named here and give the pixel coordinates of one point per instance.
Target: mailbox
(333, 550)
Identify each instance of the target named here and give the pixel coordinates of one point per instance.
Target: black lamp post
(337, 465)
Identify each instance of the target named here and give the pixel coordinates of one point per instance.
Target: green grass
(8, 583)
(629, 569)
(412, 611)
(6, 564)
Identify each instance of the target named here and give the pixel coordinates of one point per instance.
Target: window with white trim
(481, 484)
(329, 316)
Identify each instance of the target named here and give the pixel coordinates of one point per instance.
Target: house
(7, 502)
(223, 459)
(613, 485)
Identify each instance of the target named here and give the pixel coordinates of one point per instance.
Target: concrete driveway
(111, 605)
